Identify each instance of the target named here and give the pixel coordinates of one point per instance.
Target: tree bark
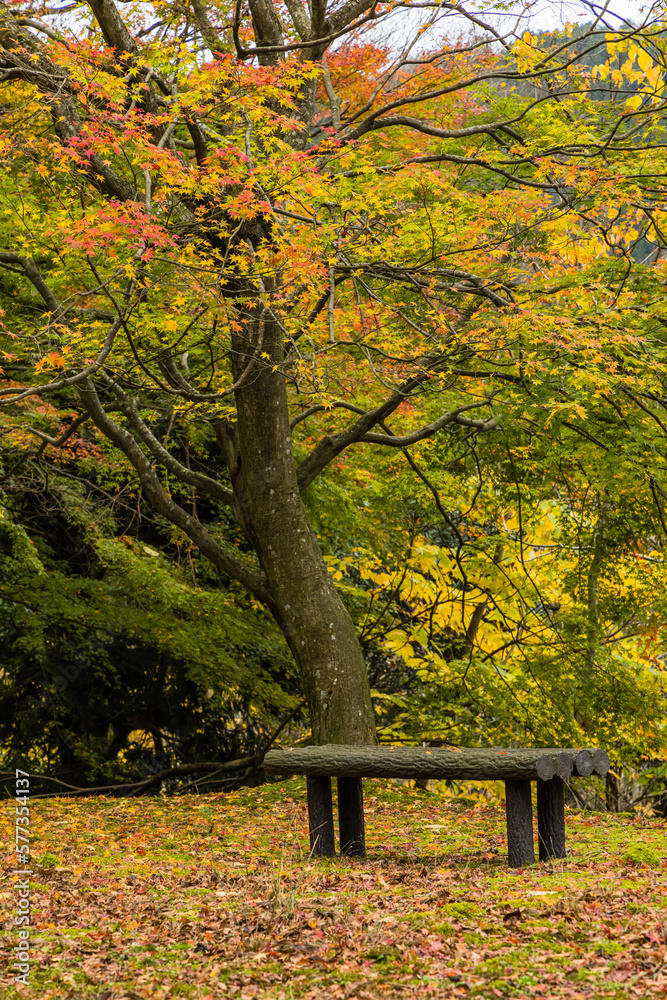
(613, 791)
(411, 762)
(351, 826)
(304, 600)
(551, 819)
(519, 810)
(320, 817)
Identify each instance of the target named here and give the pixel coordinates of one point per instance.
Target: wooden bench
(517, 768)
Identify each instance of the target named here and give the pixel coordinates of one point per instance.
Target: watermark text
(21, 966)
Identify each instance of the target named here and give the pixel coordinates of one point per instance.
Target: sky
(549, 14)
(554, 13)
(509, 17)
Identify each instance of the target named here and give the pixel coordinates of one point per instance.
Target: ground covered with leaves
(216, 896)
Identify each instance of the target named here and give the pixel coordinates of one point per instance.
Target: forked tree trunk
(305, 603)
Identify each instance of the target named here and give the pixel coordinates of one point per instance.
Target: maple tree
(528, 610)
(260, 226)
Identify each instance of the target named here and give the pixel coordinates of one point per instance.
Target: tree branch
(319, 44)
(300, 19)
(31, 271)
(56, 442)
(333, 444)
(251, 579)
(453, 417)
(112, 26)
(139, 787)
(319, 407)
(197, 479)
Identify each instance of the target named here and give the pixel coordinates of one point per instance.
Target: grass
(216, 896)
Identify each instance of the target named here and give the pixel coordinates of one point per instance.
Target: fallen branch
(211, 768)
(259, 758)
(142, 786)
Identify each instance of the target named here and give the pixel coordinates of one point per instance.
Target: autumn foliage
(272, 263)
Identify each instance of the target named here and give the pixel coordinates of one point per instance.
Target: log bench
(517, 768)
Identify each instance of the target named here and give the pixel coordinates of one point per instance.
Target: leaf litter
(216, 896)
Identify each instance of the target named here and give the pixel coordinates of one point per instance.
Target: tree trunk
(613, 790)
(305, 603)
(592, 594)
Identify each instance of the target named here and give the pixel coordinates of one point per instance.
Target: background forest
(503, 258)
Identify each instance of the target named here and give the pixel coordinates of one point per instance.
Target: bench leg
(551, 819)
(320, 817)
(351, 817)
(519, 810)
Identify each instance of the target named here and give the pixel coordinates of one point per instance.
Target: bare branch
(138, 787)
(56, 442)
(333, 444)
(64, 383)
(320, 43)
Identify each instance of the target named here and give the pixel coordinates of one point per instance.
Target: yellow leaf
(644, 61)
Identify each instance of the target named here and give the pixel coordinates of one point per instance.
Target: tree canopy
(400, 266)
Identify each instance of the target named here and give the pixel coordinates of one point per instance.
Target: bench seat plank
(477, 764)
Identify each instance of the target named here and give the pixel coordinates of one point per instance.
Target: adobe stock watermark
(21, 964)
